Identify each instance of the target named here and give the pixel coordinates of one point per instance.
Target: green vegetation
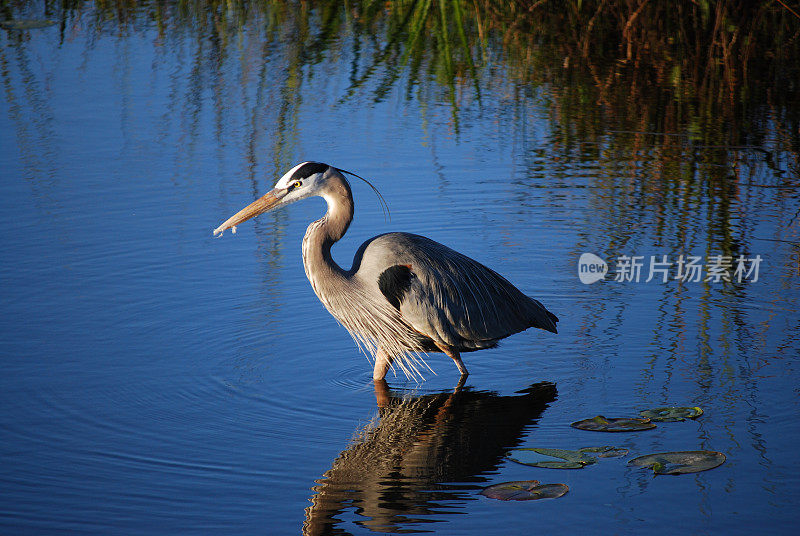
(525, 490)
(671, 414)
(692, 104)
(680, 463)
(616, 424)
(563, 458)
(718, 73)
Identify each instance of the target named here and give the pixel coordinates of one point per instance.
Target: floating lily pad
(551, 458)
(671, 414)
(605, 452)
(602, 424)
(678, 463)
(524, 490)
(25, 24)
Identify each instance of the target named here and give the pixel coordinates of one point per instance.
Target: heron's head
(304, 180)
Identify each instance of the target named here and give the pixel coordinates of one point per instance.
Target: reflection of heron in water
(404, 468)
(405, 293)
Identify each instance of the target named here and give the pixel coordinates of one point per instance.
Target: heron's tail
(542, 318)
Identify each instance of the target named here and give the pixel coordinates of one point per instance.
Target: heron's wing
(454, 299)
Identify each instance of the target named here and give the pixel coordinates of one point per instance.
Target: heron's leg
(460, 364)
(382, 363)
(461, 381)
(455, 356)
(381, 393)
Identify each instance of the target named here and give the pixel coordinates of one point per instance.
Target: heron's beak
(259, 206)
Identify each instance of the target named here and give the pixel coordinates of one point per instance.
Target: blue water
(159, 381)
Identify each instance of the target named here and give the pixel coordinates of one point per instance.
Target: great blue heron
(405, 294)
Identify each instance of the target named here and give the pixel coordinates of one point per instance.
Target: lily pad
(25, 24)
(602, 424)
(682, 462)
(605, 452)
(671, 414)
(524, 490)
(551, 458)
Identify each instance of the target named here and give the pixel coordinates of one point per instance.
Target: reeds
(717, 72)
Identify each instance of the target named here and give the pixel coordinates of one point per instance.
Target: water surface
(158, 380)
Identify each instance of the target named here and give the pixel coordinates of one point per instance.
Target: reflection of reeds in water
(722, 72)
(640, 79)
(415, 461)
(676, 66)
(699, 100)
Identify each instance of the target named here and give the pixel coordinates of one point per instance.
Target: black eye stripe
(308, 169)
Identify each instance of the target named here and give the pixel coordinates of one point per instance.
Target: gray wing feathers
(458, 301)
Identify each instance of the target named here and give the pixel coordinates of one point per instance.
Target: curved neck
(323, 233)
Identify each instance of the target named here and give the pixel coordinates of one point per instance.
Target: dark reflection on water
(422, 458)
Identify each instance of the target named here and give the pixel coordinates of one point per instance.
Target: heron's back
(447, 296)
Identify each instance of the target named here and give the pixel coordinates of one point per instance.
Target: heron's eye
(298, 184)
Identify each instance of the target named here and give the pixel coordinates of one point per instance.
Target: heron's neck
(320, 267)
